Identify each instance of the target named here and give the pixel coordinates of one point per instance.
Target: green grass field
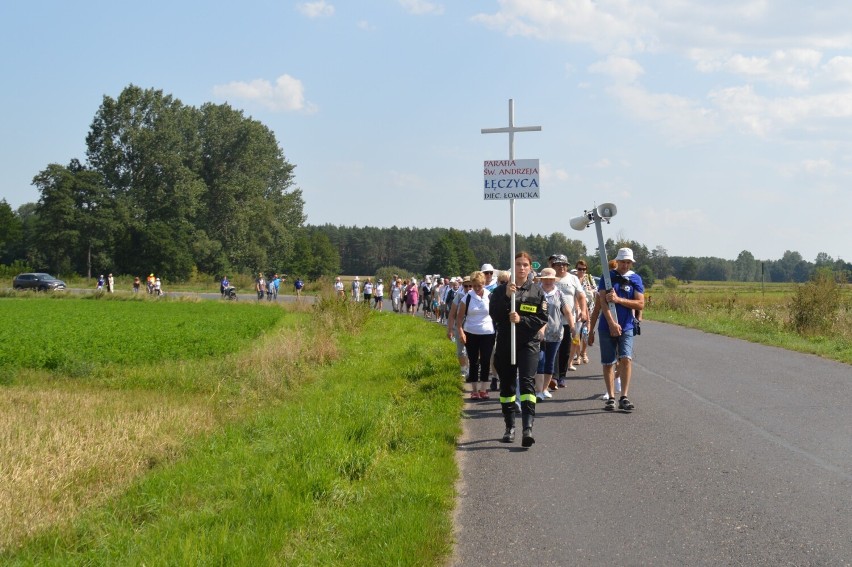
(42, 333)
(328, 438)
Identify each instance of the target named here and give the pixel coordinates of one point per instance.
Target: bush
(670, 282)
(814, 308)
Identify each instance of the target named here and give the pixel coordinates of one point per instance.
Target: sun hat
(487, 268)
(624, 254)
(357, 278)
(547, 274)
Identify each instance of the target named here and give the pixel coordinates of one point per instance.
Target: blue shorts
(624, 344)
(547, 358)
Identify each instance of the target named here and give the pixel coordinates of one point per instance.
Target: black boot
(509, 418)
(527, 440)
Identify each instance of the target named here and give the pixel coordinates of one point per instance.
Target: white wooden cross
(511, 129)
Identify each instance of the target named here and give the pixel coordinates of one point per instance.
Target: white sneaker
(605, 396)
(547, 394)
(540, 396)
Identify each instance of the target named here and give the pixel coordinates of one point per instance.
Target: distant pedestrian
(100, 285)
(260, 286)
(137, 283)
(110, 284)
(158, 287)
(396, 293)
(356, 289)
(379, 295)
(224, 285)
(411, 297)
(338, 288)
(368, 291)
(297, 287)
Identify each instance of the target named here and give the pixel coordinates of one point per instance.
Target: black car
(38, 282)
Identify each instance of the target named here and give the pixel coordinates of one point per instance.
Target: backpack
(450, 295)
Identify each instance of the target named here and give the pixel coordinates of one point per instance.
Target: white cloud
(365, 25)
(839, 69)
(760, 115)
(619, 69)
(608, 26)
(318, 9)
(422, 7)
(287, 94)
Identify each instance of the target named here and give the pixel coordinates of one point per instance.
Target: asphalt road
(736, 454)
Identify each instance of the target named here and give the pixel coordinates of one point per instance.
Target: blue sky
(715, 127)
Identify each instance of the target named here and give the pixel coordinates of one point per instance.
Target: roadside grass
(344, 457)
(764, 316)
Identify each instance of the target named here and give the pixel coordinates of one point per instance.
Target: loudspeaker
(579, 223)
(607, 210)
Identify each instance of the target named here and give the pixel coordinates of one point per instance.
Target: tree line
(181, 191)
(364, 250)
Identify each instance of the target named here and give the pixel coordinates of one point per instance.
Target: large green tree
(205, 189)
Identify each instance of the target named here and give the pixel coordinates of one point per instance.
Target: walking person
(590, 291)
(628, 295)
(452, 326)
(368, 291)
(529, 317)
(297, 286)
(379, 295)
(356, 289)
(274, 285)
(558, 312)
(260, 286)
(338, 288)
(411, 297)
(475, 329)
(396, 292)
(575, 297)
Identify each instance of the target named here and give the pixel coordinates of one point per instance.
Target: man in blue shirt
(628, 295)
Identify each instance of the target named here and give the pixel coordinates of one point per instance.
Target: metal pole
(513, 356)
(604, 261)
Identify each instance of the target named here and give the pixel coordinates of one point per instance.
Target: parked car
(38, 282)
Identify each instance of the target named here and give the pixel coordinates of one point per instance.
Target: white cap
(486, 268)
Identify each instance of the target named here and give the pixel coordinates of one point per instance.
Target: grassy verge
(762, 317)
(339, 460)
